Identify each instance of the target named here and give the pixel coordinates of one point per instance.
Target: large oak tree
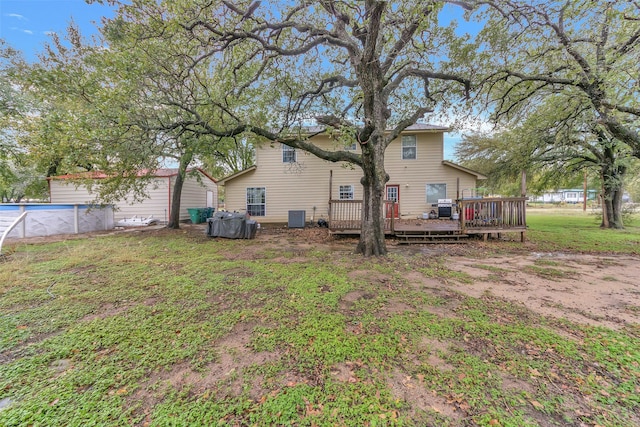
(555, 142)
(581, 56)
(366, 70)
(585, 50)
(137, 97)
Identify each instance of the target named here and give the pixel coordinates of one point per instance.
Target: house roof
(158, 173)
(427, 127)
(478, 175)
(237, 174)
(416, 127)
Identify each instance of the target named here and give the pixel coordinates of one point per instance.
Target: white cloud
(22, 30)
(15, 15)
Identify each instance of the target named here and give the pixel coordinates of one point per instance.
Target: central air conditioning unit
(297, 219)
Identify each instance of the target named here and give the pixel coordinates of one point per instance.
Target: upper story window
(346, 192)
(288, 154)
(351, 147)
(409, 147)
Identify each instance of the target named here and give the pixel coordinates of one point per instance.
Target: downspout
(169, 196)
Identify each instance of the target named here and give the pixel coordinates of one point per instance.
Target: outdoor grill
(444, 208)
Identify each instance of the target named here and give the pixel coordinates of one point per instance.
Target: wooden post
(584, 192)
(393, 214)
(330, 197)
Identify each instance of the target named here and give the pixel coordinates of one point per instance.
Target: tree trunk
(612, 191)
(174, 215)
(373, 182)
(612, 208)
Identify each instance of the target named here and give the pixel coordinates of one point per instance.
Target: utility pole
(584, 192)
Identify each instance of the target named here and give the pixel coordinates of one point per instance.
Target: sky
(26, 25)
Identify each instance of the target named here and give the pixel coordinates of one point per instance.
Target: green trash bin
(206, 214)
(195, 214)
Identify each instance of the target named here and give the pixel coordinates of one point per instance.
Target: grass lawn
(574, 230)
(174, 329)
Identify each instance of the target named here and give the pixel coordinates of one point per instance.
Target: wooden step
(430, 237)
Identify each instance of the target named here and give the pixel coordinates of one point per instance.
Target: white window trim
(287, 149)
(353, 195)
(247, 202)
(415, 146)
(395, 187)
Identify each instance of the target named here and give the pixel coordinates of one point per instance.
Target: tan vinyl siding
(194, 194)
(412, 176)
(158, 202)
(292, 186)
(305, 184)
(155, 204)
(62, 191)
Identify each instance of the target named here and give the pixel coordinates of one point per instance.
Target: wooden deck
(477, 217)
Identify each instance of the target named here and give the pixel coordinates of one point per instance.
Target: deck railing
(476, 216)
(346, 215)
(499, 213)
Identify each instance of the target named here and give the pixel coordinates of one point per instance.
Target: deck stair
(436, 231)
(407, 237)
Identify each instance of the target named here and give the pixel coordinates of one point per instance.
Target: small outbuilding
(199, 190)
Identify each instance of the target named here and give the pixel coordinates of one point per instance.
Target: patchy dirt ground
(591, 289)
(585, 288)
(599, 290)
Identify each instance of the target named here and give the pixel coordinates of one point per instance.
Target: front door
(393, 195)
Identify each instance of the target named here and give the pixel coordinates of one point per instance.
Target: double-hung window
(288, 154)
(346, 192)
(257, 201)
(435, 192)
(409, 147)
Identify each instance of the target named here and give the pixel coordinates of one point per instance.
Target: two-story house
(284, 179)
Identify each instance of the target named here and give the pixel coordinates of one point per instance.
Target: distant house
(565, 196)
(199, 190)
(284, 179)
